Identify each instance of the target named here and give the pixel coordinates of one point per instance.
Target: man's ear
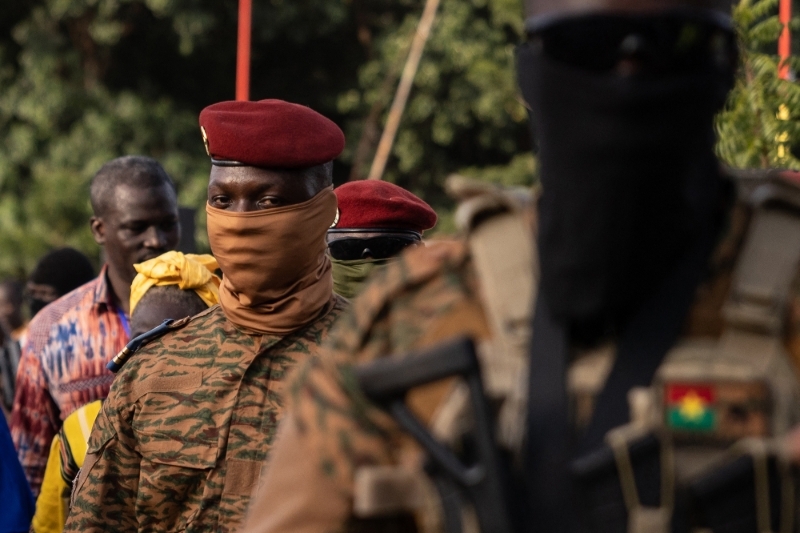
(98, 230)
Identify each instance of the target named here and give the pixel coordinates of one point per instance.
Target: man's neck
(120, 288)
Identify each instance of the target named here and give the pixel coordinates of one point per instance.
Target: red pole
(785, 40)
(243, 51)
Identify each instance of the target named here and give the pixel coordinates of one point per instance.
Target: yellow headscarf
(187, 271)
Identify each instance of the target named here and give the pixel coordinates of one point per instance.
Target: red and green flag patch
(690, 407)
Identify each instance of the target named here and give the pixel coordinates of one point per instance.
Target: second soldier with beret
(376, 221)
(180, 441)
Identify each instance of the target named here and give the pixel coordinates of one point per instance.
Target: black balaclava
(64, 269)
(628, 176)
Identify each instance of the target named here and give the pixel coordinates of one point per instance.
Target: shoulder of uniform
(142, 340)
(480, 201)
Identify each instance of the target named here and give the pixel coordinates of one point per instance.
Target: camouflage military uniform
(180, 440)
(331, 430)
(430, 294)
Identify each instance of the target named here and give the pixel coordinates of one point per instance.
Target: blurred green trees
(83, 81)
(759, 127)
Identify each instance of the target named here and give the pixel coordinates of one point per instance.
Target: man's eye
(269, 201)
(218, 201)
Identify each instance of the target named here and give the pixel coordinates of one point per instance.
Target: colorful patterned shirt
(180, 441)
(66, 371)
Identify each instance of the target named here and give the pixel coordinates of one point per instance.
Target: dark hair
(64, 269)
(187, 299)
(133, 170)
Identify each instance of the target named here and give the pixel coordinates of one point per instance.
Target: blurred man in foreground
(376, 221)
(622, 96)
(180, 441)
(171, 286)
(135, 219)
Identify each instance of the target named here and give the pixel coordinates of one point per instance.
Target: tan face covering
(276, 274)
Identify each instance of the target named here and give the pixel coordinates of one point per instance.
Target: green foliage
(464, 109)
(84, 81)
(759, 127)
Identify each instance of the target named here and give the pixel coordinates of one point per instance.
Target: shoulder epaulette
(138, 342)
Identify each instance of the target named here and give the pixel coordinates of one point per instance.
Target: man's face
(241, 189)
(139, 224)
(352, 245)
(42, 292)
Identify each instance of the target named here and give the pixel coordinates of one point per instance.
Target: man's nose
(155, 238)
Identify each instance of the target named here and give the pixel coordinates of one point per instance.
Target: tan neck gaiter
(276, 274)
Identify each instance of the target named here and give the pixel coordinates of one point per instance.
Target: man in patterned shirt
(190, 418)
(135, 219)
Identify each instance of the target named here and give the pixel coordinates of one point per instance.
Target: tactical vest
(703, 442)
(714, 417)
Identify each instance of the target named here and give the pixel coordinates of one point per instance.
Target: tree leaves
(83, 81)
(759, 126)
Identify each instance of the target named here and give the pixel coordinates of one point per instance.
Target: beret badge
(336, 220)
(205, 140)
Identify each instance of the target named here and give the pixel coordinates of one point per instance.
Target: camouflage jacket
(190, 418)
(429, 294)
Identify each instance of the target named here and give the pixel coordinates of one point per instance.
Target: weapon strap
(644, 343)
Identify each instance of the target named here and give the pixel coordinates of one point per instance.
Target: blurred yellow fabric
(187, 271)
(67, 454)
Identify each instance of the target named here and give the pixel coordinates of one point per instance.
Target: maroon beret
(375, 204)
(269, 133)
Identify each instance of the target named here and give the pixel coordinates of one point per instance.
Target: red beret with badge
(270, 134)
(375, 204)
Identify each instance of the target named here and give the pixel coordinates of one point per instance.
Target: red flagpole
(785, 40)
(243, 51)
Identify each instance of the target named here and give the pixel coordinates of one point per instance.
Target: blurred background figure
(172, 285)
(57, 273)
(9, 363)
(376, 221)
(12, 327)
(11, 313)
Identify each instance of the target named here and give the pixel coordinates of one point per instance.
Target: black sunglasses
(374, 247)
(671, 42)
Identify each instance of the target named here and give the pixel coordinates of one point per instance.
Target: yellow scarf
(187, 271)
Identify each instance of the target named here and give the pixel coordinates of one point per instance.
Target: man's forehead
(539, 7)
(131, 202)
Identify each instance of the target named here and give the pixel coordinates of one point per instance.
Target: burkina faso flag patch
(690, 407)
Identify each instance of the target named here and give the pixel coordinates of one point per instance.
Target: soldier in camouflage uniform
(633, 213)
(180, 441)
